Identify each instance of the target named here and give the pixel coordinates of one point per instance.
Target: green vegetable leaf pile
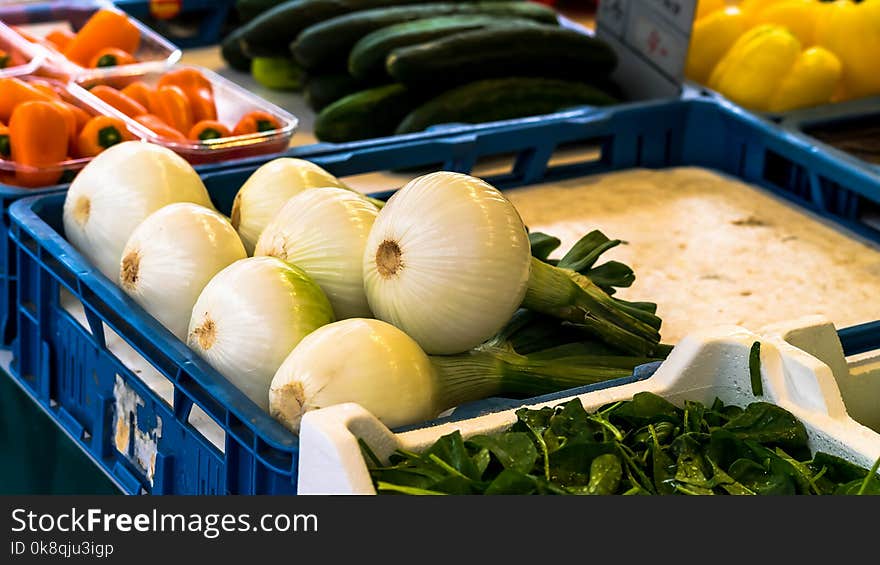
(641, 446)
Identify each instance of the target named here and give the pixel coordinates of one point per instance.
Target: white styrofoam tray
(704, 365)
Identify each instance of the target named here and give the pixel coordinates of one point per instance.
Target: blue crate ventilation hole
(136, 399)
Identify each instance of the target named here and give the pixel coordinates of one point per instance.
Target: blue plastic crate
(68, 369)
(198, 22)
(806, 122)
(11, 193)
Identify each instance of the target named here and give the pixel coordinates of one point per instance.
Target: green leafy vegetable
(645, 445)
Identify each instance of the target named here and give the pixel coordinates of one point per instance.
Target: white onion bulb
(447, 261)
(250, 316)
(324, 231)
(268, 188)
(120, 187)
(356, 360)
(172, 255)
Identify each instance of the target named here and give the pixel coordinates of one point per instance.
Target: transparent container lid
(232, 102)
(36, 20)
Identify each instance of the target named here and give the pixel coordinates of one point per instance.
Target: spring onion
(120, 187)
(324, 231)
(250, 316)
(448, 261)
(172, 255)
(268, 188)
(380, 367)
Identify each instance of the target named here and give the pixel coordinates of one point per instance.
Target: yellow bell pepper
(753, 8)
(767, 70)
(812, 81)
(711, 37)
(796, 15)
(706, 7)
(852, 32)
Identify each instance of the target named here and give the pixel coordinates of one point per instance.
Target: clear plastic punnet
(18, 57)
(34, 21)
(232, 102)
(17, 174)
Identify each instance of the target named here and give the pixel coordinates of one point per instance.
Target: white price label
(651, 40)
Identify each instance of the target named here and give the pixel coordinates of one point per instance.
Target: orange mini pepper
(46, 89)
(100, 133)
(60, 38)
(14, 91)
(70, 120)
(38, 138)
(198, 90)
(118, 100)
(208, 129)
(5, 59)
(4, 142)
(106, 28)
(111, 57)
(255, 122)
(155, 124)
(140, 92)
(81, 115)
(172, 106)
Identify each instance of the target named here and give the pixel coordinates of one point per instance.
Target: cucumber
(323, 90)
(368, 55)
(369, 113)
(232, 53)
(327, 44)
(269, 34)
(277, 73)
(542, 51)
(502, 99)
(250, 9)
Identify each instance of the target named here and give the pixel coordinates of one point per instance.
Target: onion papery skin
(117, 190)
(268, 189)
(324, 232)
(356, 360)
(172, 255)
(464, 262)
(250, 316)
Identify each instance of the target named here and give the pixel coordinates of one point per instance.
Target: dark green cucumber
(250, 9)
(269, 34)
(327, 44)
(502, 99)
(368, 55)
(232, 53)
(544, 51)
(369, 113)
(323, 90)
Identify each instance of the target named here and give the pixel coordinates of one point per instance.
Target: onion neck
(493, 371)
(553, 291)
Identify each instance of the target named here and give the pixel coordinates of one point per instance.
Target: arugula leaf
(537, 422)
(693, 416)
(514, 451)
(509, 481)
(757, 479)
(768, 423)
(662, 465)
(755, 369)
(647, 408)
(450, 450)
(570, 465)
(605, 475)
